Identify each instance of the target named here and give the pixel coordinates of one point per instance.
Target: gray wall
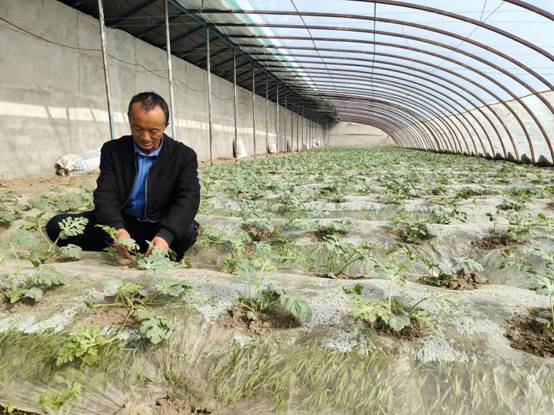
(52, 98)
(353, 134)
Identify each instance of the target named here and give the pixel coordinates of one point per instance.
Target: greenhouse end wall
(53, 100)
(356, 135)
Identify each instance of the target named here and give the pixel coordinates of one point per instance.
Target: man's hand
(159, 243)
(122, 251)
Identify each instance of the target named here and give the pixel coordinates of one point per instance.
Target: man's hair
(149, 101)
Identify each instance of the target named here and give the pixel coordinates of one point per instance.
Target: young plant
(338, 255)
(390, 312)
(19, 286)
(411, 231)
(463, 273)
(10, 208)
(542, 280)
(157, 262)
(262, 299)
(85, 346)
(53, 402)
(35, 252)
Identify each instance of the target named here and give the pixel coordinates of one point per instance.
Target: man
(148, 187)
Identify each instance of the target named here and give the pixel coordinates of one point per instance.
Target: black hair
(149, 101)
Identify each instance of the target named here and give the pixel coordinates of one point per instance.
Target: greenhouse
(277, 207)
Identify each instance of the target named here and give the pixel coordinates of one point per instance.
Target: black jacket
(172, 193)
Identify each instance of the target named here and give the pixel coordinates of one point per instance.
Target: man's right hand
(121, 250)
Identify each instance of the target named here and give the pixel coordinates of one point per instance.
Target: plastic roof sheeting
(472, 77)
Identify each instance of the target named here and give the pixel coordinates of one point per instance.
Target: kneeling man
(148, 186)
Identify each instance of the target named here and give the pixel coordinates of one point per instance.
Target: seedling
(137, 301)
(542, 280)
(84, 346)
(463, 273)
(390, 312)
(19, 286)
(411, 231)
(52, 401)
(338, 255)
(33, 251)
(262, 299)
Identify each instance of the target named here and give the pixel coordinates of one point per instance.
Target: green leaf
(154, 327)
(172, 289)
(398, 321)
(357, 289)
(47, 277)
(34, 294)
(72, 226)
(298, 307)
(71, 251)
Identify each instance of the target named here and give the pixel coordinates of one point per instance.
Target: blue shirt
(138, 191)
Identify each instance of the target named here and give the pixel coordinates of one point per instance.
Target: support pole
(106, 69)
(297, 132)
(254, 108)
(235, 106)
(277, 121)
(303, 128)
(170, 73)
(209, 72)
(285, 122)
(266, 113)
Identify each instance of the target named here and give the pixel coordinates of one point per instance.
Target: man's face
(147, 128)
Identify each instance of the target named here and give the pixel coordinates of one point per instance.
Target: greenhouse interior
(277, 207)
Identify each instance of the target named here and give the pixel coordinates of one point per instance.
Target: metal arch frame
(439, 31)
(515, 97)
(416, 136)
(419, 70)
(434, 130)
(445, 116)
(453, 114)
(426, 132)
(442, 117)
(325, 109)
(499, 101)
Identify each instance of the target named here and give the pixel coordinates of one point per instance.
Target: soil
(257, 233)
(490, 242)
(320, 234)
(264, 323)
(527, 334)
(461, 281)
(106, 316)
(550, 205)
(413, 331)
(15, 411)
(169, 406)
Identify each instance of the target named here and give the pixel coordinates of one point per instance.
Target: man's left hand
(159, 243)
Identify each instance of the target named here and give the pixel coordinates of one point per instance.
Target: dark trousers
(95, 239)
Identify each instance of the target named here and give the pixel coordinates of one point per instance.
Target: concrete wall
(353, 134)
(52, 96)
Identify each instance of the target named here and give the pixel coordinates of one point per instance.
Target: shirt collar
(154, 153)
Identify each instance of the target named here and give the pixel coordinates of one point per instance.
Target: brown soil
(461, 281)
(490, 242)
(169, 406)
(413, 331)
(15, 411)
(264, 323)
(320, 234)
(550, 205)
(529, 335)
(106, 316)
(257, 233)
